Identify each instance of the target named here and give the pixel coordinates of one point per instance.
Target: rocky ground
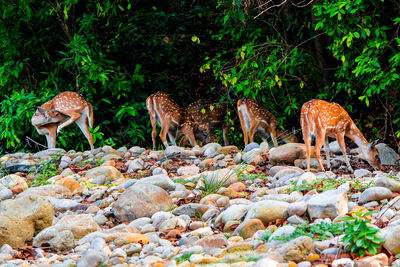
(211, 205)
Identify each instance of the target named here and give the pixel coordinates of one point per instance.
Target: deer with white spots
(168, 114)
(63, 110)
(256, 120)
(322, 119)
(203, 117)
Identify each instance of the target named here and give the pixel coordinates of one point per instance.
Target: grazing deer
(168, 114)
(204, 117)
(322, 119)
(256, 120)
(64, 109)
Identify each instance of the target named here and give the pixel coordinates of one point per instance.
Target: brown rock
(288, 153)
(49, 190)
(247, 228)
(69, 183)
(238, 187)
(215, 241)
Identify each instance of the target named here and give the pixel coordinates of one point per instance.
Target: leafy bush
(360, 236)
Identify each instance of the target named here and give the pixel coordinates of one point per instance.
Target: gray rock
(237, 158)
(158, 171)
(297, 249)
(141, 200)
(389, 183)
(100, 219)
(49, 190)
(49, 152)
(103, 174)
(251, 146)
(281, 232)
(328, 204)
(159, 217)
(172, 150)
(233, 213)
(138, 223)
(252, 156)
(62, 204)
(91, 258)
(188, 170)
(5, 194)
(294, 219)
(211, 148)
(287, 153)
(58, 238)
(64, 162)
(386, 154)
(362, 173)
(191, 209)
(374, 193)
(297, 208)
(136, 164)
(137, 150)
(161, 180)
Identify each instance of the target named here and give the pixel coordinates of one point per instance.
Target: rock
(297, 249)
(21, 218)
(136, 164)
(5, 193)
(378, 260)
(210, 148)
(48, 152)
(172, 223)
(224, 177)
(374, 193)
(295, 219)
(214, 241)
(228, 149)
(253, 156)
(266, 262)
(247, 228)
(275, 169)
(91, 258)
(334, 147)
(137, 150)
(13, 180)
(49, 190)
(362, 173)
(386, 154)
(232, 213)
(264, 147)
(188, 170)
(251, 146)
(288, 153)
(141, 200)
(314, 164)
(237, 158)
(191, 209)
(285, 172)
(101, 175)
(308, 177)
(65, 161)
(58, 239)
(172, 150)
(281, 232)
(297, 208)
(161, 180)
(80, 225)
(63, 204)
(329, 204)
(267, 210)
(69, 183)
(392, 184)
(391, 235)
(156, 219)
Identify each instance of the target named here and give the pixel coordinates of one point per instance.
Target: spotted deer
(207, 117)
(256, 120)
(63, 110)
(164, 111)
(322, 119)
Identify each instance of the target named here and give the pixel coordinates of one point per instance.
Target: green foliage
(47, 169)
(320, 231)
(360, 236)
(183, 257)
(251, 176)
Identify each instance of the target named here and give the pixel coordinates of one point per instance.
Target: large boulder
(103, 174)
(21, 218)
(328, 204)
(288, 153)
(141, 200)
(391, 235)
(267, 210)
(13, 180)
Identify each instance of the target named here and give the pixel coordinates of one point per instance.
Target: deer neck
(355, 134)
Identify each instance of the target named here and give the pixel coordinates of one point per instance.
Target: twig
(28, 140)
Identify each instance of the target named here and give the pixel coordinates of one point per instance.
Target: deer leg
(244, 130)
(328, 154)
(319, 141)
(164, 130)
(153, 131)
(252, 131)
(73, 117)
(83, 124)
(342, 145)
(224, 131)
(172, 137)
(273, 137)
(307, 142)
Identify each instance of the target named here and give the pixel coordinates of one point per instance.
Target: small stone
(374, 193)
(248, 228)
(297, 249)
(331, 203)
(362, 173)
(69, 183)
(251, 146)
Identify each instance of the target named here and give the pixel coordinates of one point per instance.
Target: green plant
(46, 170)
(251, 176)
(183, 257)
(266, 235)
(360, 236)
(213, 181)
(320, 231)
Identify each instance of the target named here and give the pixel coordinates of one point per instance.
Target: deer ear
(41, 110)
(373, 144)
